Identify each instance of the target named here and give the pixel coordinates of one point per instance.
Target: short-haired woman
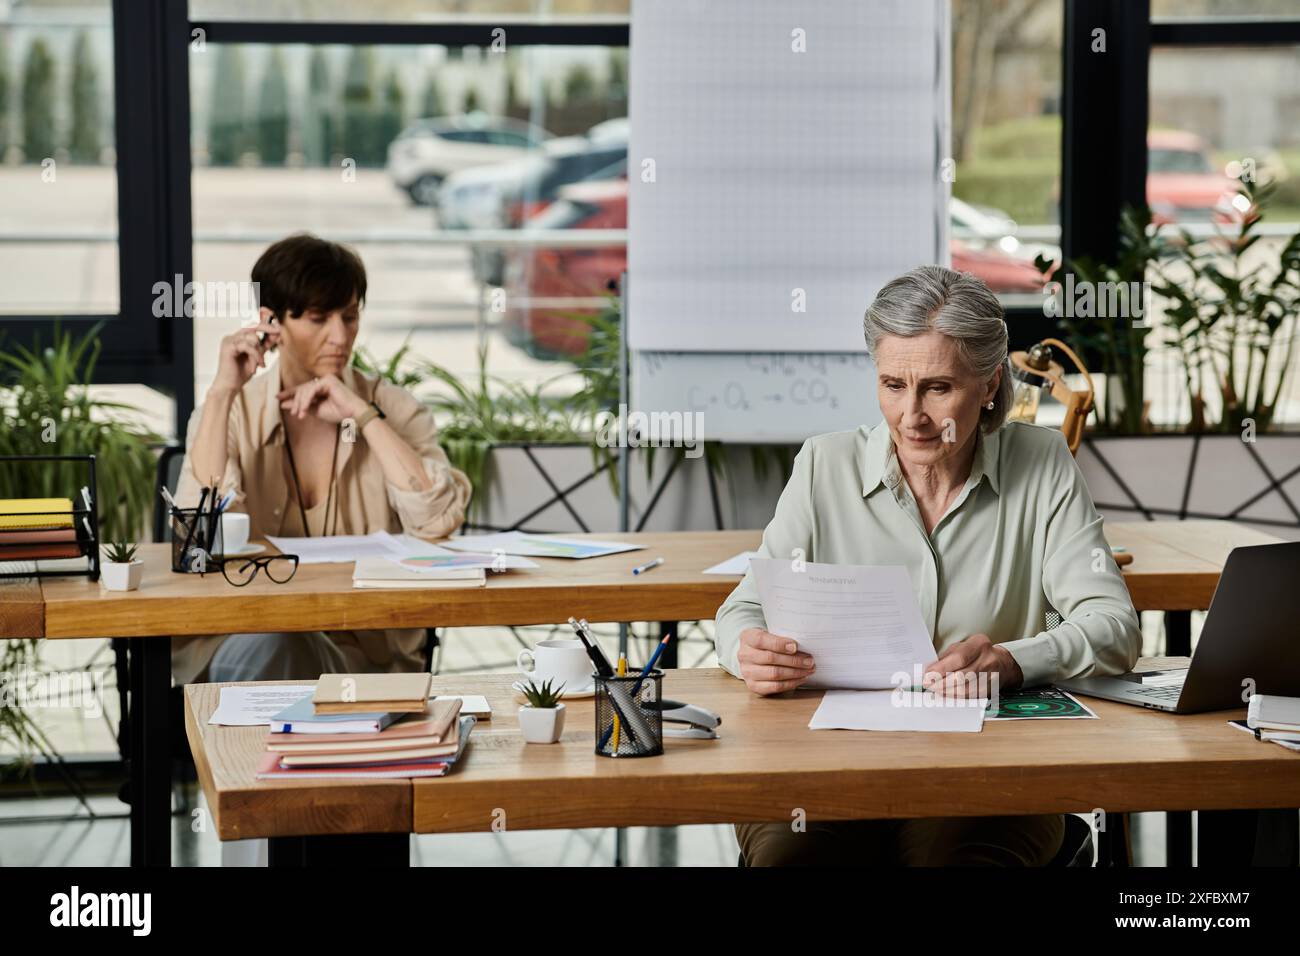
(992, 520)
(312, 447)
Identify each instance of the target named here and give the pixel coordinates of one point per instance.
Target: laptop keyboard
(1160, 693)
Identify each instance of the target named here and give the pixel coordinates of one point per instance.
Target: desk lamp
(1035, 371)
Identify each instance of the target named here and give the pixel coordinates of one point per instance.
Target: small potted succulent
(542, 719)
(121, 570)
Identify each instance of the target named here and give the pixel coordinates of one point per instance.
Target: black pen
(598, 658)
(189, 531)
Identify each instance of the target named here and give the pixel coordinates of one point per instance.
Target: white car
(429, 150)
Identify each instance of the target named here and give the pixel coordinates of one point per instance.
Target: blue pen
(653, 660)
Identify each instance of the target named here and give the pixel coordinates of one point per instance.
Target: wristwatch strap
(369, 415)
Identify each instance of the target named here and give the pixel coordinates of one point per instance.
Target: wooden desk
(321, 596)
(766, 764)
(1176, 569)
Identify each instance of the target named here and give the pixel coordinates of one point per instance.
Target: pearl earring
(989, 406)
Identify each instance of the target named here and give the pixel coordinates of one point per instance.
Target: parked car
(984, 227)
(548, 290)
(430, 150)
(1183, 185)
(506, 195)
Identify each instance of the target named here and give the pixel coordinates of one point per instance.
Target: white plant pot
(541, 725)
(121, 577)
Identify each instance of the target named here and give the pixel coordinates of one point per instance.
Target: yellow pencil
(622, 672)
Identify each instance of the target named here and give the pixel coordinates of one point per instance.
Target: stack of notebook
(37, 528)
(366, 725)
(379, 572)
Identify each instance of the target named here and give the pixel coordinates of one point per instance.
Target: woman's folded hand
(771, 664)
(956, 672)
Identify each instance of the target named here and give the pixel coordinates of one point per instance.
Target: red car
(548, 290)
(1182, 184)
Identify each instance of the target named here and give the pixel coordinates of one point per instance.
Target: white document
(538, 546)
(898, 710)
(861, 623)
(250, 706)
(340, 548)
(738, 564)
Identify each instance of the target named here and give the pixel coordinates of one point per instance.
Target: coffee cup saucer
(576, 694)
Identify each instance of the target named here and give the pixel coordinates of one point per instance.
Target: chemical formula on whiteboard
(759, 396)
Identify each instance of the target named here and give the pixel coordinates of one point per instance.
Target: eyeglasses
(280, 568)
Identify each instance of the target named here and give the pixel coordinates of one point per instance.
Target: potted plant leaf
(121, 570)
(541, 720)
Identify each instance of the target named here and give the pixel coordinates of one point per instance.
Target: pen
(646, 567)
(189, 531)
(598, 658)
(212, 518)
(622, 672)
(651, 665)
(167, 497)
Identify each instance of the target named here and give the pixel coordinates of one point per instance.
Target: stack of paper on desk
(897, 710)
(861, 623)
(538, 546)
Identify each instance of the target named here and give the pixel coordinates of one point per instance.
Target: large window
(1006, 140)
(58, 220)
(418, 156)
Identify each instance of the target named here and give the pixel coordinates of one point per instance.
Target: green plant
(1115, 337)
(47, 409)
(119, 552)
(1232, 316)
(542, 697)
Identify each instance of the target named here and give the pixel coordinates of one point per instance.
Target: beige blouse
(366, 502)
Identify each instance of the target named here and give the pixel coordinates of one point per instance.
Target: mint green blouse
(1020, 540)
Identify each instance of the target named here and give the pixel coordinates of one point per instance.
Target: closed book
(363, 757)
(1272, 712)
(41, 536)
(34, 552)
(436, 725)
(377, 572)
(35, 512)
(301, 718)
(269, 767)
(369, 693)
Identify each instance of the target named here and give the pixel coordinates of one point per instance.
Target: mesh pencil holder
(196, 537)
(640, 731)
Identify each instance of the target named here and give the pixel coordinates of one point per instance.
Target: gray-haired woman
(995, 526)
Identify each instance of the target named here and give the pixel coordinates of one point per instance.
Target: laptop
(1251, 634)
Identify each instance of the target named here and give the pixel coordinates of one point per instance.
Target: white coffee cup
(234, 532)
(558, 661)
